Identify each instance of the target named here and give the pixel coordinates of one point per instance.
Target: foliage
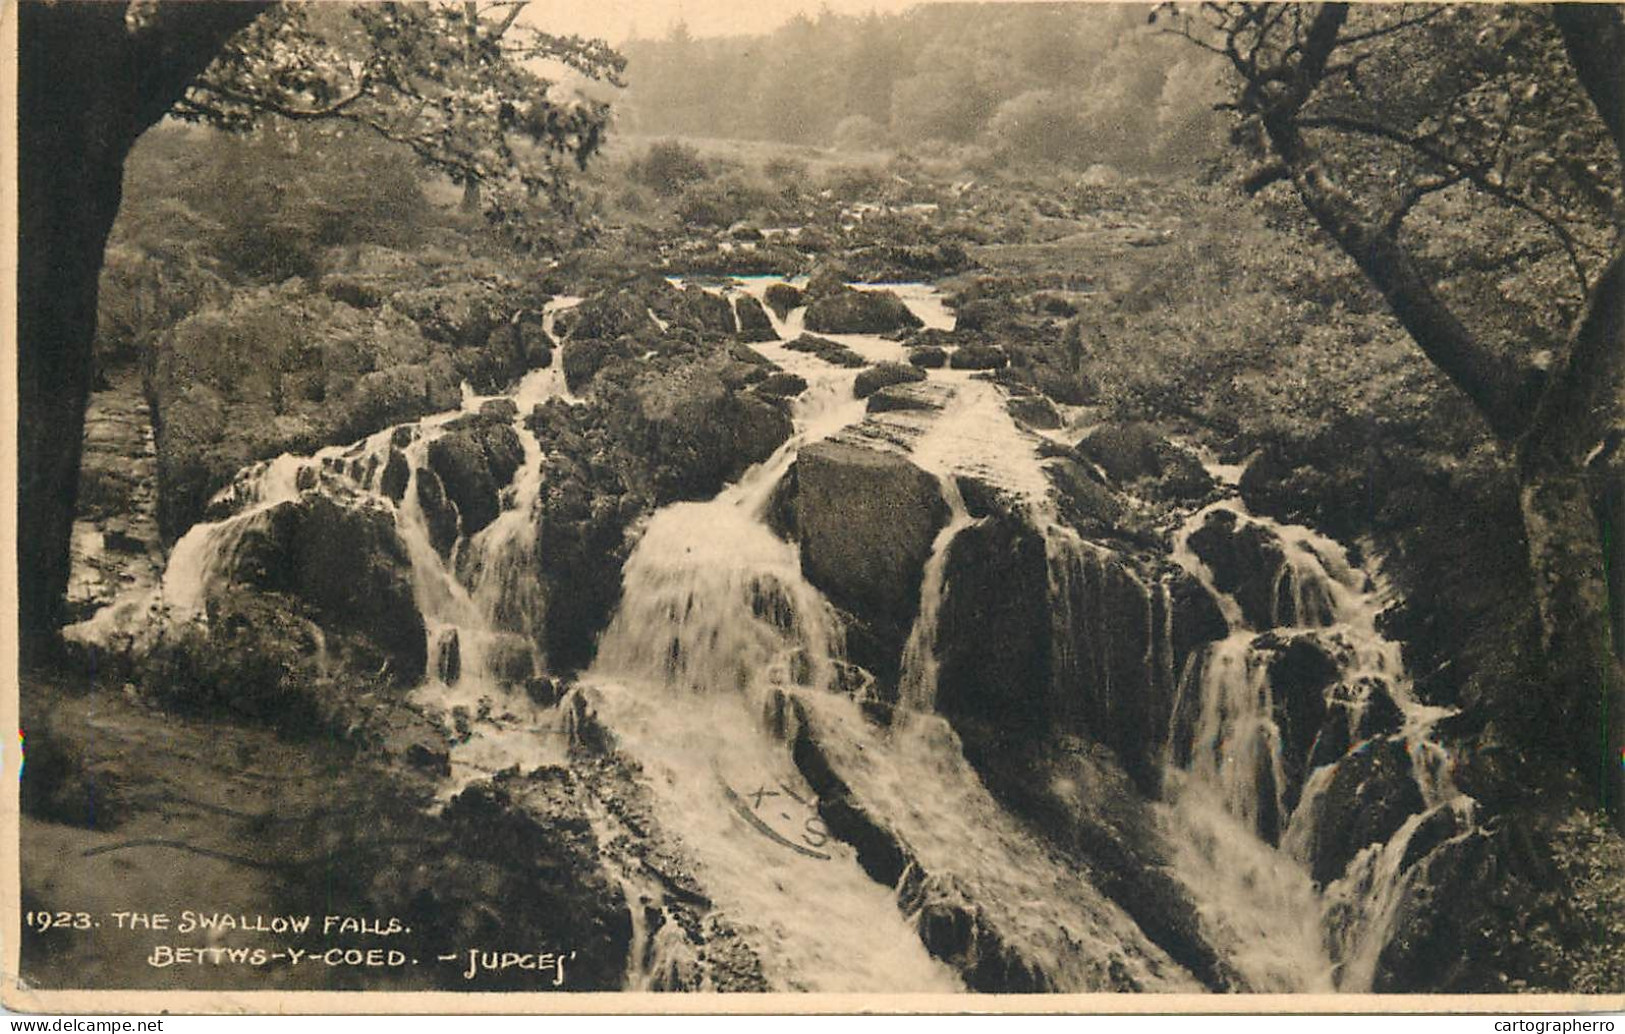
(207, 212)
(1103, 87)
(456, 87)
(1396, 128)
(1591, 858)
(1437, 129)
(1241, 323)
(669, 166)
(255, 657)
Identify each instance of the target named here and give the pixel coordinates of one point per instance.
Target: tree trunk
(71, 145)
(1567, 537)
(1547, 424)
(88, 84)
(471, 54)
(1582, 716)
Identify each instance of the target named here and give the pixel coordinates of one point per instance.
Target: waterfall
(918, 681)
(714, 602)
(716, 624)
(1233, 794)
(715, 619)
(721, 650)
(723, 667)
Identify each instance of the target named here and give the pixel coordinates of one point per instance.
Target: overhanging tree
(464, 89)
(1396, 126)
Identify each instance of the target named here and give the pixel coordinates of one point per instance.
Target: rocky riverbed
(770, 613)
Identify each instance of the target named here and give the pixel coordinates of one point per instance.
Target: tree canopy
(1073, 84)
(472, 90)
(1468, 160)
(468, 88)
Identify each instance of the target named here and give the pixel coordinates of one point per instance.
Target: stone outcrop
(347, 563)
(781, 298)
(1245, 559)
(865, 519)
(851, 311)
(883, 375)
(1371, 795)
(754, 324)
(1136, 453)
(474, 460)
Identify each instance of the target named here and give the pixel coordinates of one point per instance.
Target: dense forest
(1064, 83)
(1013, 498)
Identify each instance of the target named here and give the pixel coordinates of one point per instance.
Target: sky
(619, 20)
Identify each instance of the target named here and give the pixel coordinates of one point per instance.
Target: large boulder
(781, 385)
(1481, 907)
(290, 369)
(909, 396)
(866, 519)
(528, 841)
(614, 313)
(754, 324)
(1302, 670)
(1085, 503)
(832, 352)
(474, 461)
(397, 472)
(928, 357)
(534, 342)
(782, 298)
(1136, 452)
(462, 313)
(1126, 452)
(586, 356)
(697, 433)
(1371, 794)
(438, 512)
(859, 312)
(1109, 673)
(705, 311)
(884, 375)
(346, 561)
(1035, 411)
(996, 590)
(975, 356)
(588, 502)
(1245, 559)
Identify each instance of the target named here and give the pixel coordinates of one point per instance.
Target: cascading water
(918, 682)
(1231, 794)
(718, 629)
(715, 621)
(721, 651)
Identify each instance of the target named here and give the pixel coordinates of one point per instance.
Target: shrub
(257, 657)
(668, 167)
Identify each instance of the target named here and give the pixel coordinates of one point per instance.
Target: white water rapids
(717, 628)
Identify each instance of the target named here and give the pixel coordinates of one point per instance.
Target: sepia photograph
(848, 506)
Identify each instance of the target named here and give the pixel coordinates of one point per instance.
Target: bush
(1040, 125)
(668, 167)
(722, 202)
(785, 172)
(257, 657)
(858, 182)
